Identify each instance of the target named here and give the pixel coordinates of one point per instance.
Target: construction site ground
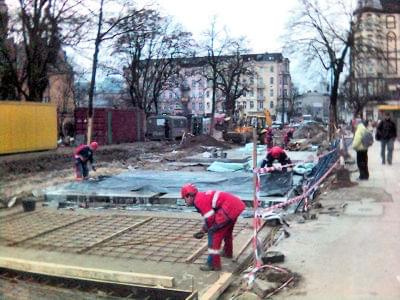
(159, 245)
(350, 251)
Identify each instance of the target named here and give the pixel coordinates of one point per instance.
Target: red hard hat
(94, 145)
(188, 188)
(275, 151)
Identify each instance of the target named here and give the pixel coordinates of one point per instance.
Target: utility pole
(283, 100)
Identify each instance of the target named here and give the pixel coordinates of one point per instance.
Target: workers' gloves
(94, 168)
(198, 235)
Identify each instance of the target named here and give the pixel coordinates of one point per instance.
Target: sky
(262, 22)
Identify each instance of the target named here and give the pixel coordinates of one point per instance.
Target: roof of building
(201, 61)
(382, 6)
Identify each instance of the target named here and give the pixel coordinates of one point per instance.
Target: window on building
(271, 104)
(208, 105)
(271, 80)
(251, 79)
(390, 22)
(251, 93)
(368, 23)
(392, 53)
(285, 93)
(260, 92)
(271, 69)
(244, 93)
(244, 105)
(193, 83)
(201, 106)
(251, 104)
(260, 105)
(208, 94)
(271, 92)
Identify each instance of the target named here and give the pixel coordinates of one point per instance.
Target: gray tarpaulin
(239, 183)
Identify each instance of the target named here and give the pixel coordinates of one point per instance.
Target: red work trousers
(214, 244)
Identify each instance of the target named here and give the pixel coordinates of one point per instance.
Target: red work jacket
(218, 208)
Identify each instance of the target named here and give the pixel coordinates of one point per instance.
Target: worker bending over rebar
(220, 211)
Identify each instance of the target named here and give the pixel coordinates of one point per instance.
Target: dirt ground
(25, 174)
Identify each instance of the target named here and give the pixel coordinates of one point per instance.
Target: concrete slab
(365, 208)
(111, 241)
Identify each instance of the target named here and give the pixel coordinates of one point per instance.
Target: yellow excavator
(242, 131)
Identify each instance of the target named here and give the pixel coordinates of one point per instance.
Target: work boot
(207, 267)
(226, 256)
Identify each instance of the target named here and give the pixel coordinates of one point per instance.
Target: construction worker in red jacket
(220, 211)
(276, 153)
(84, 154)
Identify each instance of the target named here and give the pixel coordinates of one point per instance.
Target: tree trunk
(333, 124)
(93, 79)
(214, 90)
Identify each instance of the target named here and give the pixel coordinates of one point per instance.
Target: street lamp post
(283, 100)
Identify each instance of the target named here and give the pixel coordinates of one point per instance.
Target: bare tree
(107, 29)
(317, 32)
(151, 49)
(217, 45)
(327, 33)
(7, 89)
(39, 30)
(234, 74)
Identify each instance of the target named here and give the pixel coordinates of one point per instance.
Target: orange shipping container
(27, 126)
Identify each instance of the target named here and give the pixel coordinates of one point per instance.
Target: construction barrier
(324, 166)
(27, 126)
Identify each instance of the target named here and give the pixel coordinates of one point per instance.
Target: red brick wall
(127, 126)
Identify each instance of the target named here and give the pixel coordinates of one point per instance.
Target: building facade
(270, 84)
(313, 103)
(377, 75)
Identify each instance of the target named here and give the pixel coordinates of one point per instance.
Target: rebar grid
(161, 239)
(123, 236)
(34, 224)
(86, 233)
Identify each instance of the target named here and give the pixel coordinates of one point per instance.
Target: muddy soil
(26, 173)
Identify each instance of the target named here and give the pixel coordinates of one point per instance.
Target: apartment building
(378, 75)
(267, 87)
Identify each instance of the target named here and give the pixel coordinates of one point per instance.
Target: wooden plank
(197, 253)
(76, 272)
(114, 235)
(246, 244)
(218, 287)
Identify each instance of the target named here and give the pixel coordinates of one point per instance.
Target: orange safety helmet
(275, 151)
(188, 188)
(94, 145)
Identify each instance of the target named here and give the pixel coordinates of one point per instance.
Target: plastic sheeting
(239, 183)
(219, 166)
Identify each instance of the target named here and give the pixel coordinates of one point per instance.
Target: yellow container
(27, 126)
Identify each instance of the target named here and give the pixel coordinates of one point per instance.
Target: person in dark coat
(386, 133)
(166, 128)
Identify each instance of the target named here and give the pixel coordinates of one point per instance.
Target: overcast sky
(260, 21)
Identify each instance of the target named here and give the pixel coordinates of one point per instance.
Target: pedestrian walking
(386, 133)
(220, 211)
(361, 149)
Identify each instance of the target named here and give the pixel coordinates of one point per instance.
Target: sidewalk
(354, 253)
